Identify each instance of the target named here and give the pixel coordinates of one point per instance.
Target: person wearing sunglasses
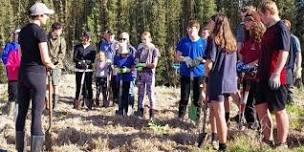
(124, 37)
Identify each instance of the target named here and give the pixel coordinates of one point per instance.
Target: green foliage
(296, 114)
(165, 19)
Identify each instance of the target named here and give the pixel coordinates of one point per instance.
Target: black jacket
(87, 55)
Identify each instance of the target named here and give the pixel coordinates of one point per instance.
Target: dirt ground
(100, 130)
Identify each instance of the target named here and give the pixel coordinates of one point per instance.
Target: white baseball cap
(40, 9)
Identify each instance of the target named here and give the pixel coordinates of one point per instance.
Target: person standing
(146, 58)
(109, 46)
(84, 57)
(57, 50)
(293, 66)
(271, 92)
(11, 58)
(190, 51)
(124, 37)
(221, 58)
(32, 76)
(249, 57)
(124, 64)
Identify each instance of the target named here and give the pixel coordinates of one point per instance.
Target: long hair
(257, 29)
(222, 33)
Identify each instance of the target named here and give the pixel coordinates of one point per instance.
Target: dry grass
(100, 130)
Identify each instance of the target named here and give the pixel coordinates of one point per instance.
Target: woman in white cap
(32, 76)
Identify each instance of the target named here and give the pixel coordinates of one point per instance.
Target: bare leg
(282, 125)
(265, 120)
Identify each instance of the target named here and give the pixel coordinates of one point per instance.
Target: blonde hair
(268, 5)
(100, 56)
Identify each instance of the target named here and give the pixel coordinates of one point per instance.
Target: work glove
(142, 65)
(187, 61)
(274, 81)
(82, 64)
(108, 61)
(139, 69)
(117, 70)
(195, 62)
(298, 73)
(125, 70)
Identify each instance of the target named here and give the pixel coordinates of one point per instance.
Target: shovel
(203, 135)
(48, 134)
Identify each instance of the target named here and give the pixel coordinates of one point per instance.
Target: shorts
(55, 76)
(276, 99)
(219, 97)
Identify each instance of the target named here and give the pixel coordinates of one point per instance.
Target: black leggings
(32, 86)
(87, 90)
(185, 90)
(124, 103)
(12, 90)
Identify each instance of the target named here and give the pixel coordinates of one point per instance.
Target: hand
(274, 81)
(141, 65)
(117, 70)
(108, 61)
(139, 69)
(197, 61)
(187, 60)
(88, 61)
(298, 73)
(125, 70)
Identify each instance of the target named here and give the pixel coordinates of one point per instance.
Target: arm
(43, 48)
(75, 55)
(282, 59)
(62, 51)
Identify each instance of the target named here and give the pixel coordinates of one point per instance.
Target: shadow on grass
(72, 136)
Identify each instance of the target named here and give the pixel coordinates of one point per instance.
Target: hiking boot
(89, 103)
(20, 141)
(181, 112)
(269, 143)
(37, 143)
(77, 104)
(140, 112)
(222, 147)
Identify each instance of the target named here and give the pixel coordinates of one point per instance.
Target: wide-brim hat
(40, 9)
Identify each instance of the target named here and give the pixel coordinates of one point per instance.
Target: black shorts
(276, 99)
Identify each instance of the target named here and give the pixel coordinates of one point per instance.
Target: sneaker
(215, 144)
(222, 148)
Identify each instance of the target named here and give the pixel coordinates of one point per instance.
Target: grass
(100, 130)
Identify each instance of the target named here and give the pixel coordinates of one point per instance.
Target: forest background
(165, 19)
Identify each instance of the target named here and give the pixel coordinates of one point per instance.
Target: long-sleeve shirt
(57, 50)
(87, 54)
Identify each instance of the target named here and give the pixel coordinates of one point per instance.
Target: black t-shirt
(275, 39)
(29, 38)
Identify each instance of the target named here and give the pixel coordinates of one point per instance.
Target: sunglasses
(122, 39)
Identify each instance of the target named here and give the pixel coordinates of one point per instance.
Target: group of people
(256, 69)
(118, 65)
